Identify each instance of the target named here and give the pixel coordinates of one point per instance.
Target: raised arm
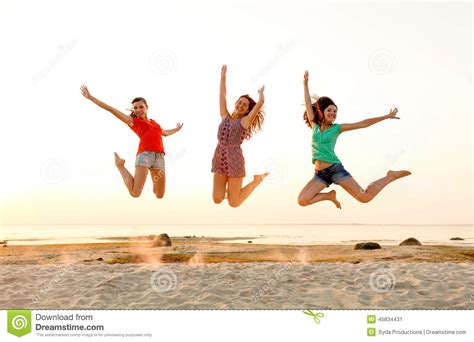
(247, 120)
(167, 132)
(369, 122)
(121, 116)
(307, 99)
(223, 93)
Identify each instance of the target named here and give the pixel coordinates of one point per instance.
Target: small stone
(410, 242)
(367, 245)
(161, 240)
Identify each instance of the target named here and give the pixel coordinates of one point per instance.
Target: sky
(57, 147)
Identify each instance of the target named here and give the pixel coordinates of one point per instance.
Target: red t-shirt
(150, 135)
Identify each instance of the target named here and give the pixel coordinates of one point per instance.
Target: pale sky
(57, 153)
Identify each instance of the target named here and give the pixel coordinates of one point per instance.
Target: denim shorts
(332, 174)
(150, 159)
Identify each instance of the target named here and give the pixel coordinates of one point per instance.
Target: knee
(363, 198)
(217, 199)
(135, 193)
(302, 201)
(234, 203)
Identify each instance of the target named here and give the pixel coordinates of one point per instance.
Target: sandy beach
(203, 273)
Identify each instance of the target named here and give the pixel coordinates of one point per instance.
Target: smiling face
(140, 109)
(242, 106)
(330, 114)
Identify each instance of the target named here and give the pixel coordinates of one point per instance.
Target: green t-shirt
(324, 142)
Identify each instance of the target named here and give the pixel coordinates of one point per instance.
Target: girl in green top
(320, 116)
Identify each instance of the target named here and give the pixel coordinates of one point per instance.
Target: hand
(178, 126)
(85, 92)
(261, 97)
(306, 78)
(224, 70)
(393, 114)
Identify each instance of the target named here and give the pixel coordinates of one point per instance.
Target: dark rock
(249, 241)
(100, 259)
(4, 242)
(368, 245)
(161, 240)
(410, 242)
(456, 239)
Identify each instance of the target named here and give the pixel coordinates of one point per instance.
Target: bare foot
(333, 199)
(259, 178)
(118, 161)
(398, 174)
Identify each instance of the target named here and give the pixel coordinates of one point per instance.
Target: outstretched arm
(247, 120)
(167, 132)
(307, 99)
(121, 116)
(223, 93)
(369, 122)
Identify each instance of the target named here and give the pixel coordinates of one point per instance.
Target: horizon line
(235, 224)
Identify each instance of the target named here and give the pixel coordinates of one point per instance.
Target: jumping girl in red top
(150, 155)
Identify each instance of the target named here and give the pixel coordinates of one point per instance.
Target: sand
(206, 274)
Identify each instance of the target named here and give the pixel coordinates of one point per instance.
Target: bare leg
(311, 194)
(364, 196)
(219, 188)
(159, 182)
(237, 195)
(133, 184)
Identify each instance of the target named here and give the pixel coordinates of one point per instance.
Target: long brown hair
(137, 99)
(319, 106)
(257, 122)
